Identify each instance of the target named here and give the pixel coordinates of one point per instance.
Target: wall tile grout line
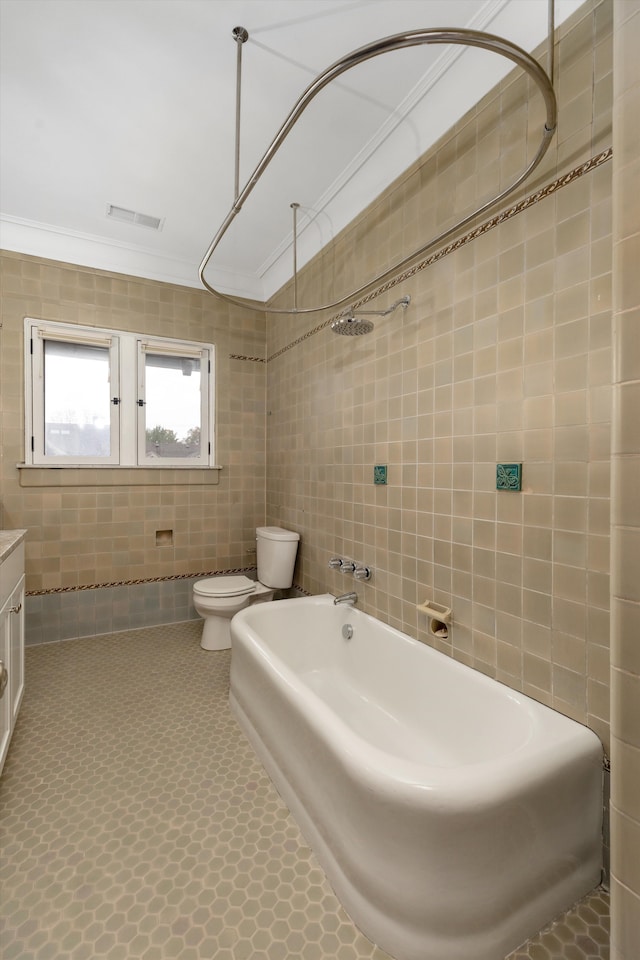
(479, 231)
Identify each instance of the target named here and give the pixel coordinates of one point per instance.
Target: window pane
(173, 406)
(77, 401)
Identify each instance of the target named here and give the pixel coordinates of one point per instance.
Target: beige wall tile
(625, 672)
(625, 848)
(625, 921)
(503, 355)
(82, 535)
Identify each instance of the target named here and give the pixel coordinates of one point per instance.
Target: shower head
(353, 324)
(350, 326)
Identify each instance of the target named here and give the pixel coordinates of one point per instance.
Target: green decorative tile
(508, 476)
(380, 473)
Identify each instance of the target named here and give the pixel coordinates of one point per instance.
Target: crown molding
(72, 246)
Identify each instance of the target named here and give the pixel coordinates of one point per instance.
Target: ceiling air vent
(131, 216)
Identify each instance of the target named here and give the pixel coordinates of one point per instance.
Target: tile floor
(137, 823)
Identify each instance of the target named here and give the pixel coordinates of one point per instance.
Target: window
(170, 431)
(115, 398)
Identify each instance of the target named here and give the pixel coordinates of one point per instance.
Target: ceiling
(132, 103)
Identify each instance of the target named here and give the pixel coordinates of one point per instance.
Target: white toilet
(217, 599)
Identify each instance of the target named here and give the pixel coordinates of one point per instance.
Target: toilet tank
(276, 555)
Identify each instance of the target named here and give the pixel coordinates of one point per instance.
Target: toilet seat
(224, 587)
(218, 598)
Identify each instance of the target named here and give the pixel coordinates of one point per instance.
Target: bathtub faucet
(346, 598)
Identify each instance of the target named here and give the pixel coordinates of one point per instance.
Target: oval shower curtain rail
(472, 38)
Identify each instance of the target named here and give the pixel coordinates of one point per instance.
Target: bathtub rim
(470, 785)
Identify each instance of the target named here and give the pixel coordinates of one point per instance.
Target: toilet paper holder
(440, 618)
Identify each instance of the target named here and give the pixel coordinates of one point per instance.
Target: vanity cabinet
(11, 643)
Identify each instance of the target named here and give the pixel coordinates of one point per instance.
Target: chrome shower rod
(471, 38)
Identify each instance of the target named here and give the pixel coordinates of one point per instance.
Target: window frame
(127, 445)
(157, 346)
(52, 333)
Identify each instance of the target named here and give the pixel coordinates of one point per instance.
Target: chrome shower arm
(402, 302)
(349, 323)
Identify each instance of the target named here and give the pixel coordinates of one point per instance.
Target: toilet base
(216, 634)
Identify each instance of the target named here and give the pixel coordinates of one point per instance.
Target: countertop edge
(9, 540)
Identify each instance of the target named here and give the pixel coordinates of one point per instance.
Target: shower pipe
(351, 324)
(471, 38)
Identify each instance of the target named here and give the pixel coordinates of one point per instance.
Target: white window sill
(111, 475)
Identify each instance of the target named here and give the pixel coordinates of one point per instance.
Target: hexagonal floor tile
(139, 824)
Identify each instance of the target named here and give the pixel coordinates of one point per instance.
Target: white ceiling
(132, 103)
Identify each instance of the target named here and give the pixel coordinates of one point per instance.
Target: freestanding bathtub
(453, 816)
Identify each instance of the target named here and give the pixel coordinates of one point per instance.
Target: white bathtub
(452, 815)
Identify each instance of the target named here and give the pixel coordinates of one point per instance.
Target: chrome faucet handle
(335, 563)
(348, 566)
(362, 573)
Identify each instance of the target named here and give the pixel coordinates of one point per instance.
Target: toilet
(217, 599)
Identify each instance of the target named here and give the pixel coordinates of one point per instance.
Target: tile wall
(625, 516)
(63, 615)
(504, 355)
(98, 527)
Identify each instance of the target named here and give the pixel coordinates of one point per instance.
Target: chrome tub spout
(346, 598)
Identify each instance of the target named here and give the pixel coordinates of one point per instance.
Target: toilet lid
(224, 586)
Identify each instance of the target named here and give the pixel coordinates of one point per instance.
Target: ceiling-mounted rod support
(241, 36)
(414, 38)
(551, 39)
(294, 207)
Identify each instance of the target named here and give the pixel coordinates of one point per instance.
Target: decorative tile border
(297, 592)
(479, 231)
(135, 583)
(239, 356)
(66, 613)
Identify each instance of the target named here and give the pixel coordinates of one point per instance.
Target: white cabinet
(11, 643)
